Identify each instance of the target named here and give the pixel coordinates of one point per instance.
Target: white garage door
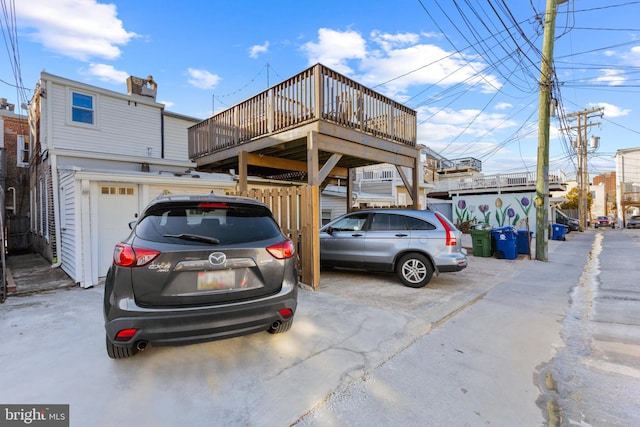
(117, 206)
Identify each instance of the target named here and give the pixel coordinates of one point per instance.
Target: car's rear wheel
(118, 352)
(281, 327)
(414, 270)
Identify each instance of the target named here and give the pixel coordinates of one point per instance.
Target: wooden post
(313, 210)
(242, 171)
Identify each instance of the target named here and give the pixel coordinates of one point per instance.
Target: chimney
(142, 87)
(4, 105)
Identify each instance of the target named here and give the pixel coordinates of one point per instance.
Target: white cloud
(503, 106)
(167, 104)
(633, 56)
(390, 41)
(258, 49)
(393, 55)
(445, 124)
(611, 76)
(107, 73)
(80, 29)
(334, 48)
(202, 79)
(611, 110)
(425, 64)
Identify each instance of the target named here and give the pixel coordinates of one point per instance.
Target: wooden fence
(293, 210)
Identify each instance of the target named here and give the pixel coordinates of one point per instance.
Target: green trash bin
(481, 242)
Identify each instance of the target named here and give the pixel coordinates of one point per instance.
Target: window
(234, 223)
(123, 191)
(326, 216)
(418, 224)
(387, 222)
(82, 108)
(353, 222)
(23, 151)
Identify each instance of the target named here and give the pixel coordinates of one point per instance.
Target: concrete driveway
(53, 352)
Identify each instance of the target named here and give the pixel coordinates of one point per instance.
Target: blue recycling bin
(523, 241)
(505, 238)
(558, 231)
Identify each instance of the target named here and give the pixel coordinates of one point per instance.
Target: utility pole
(544, 118)
(582, 118)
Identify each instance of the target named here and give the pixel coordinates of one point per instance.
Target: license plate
(214, 280)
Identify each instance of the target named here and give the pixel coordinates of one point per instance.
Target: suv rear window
(228, 223)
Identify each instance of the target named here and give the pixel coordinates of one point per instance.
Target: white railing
(498, 181)
(376, 173)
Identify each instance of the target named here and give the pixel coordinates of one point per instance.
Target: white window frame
(93, 109)
(22, 149)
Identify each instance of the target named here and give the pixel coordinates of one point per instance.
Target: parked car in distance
(633, 221)
(605, 221)
(572, 223)
(413, 244)
(199, 268)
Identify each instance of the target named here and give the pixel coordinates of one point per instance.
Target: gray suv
(199, 268)
(412, 243)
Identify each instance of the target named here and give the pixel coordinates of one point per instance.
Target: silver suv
(412, 243)
(199, 268)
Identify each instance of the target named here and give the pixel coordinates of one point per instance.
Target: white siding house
(628, 182)
(100, 157)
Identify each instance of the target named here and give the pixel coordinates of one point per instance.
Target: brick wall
(17, 177)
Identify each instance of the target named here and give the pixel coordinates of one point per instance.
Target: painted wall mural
(497, 210)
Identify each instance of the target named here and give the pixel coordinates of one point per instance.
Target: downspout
(56, 208)
(162, 132)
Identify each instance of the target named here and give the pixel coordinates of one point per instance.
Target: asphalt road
(503, 343)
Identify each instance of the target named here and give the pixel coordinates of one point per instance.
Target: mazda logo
(217, 258)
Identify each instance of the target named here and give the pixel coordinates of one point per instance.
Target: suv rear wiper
(194, 237)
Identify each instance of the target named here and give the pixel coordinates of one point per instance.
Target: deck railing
(480, 182)
(317, 93)
(463, 163)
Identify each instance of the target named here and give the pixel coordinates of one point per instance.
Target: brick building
(14, 177)
(608, 181)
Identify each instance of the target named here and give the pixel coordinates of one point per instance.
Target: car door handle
(401, 235)
(356, 235)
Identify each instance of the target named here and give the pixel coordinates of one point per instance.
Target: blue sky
(469, 67)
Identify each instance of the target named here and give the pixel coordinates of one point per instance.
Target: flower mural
(513, 216)
(497, 210)
(501, 213)
(462, 213)
(486, 212)
(525, 205)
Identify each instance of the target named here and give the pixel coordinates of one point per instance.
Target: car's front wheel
(117, 352)
(414, 270)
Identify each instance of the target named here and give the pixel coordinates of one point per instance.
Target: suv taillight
(282, 250)
(452, 239)
(125, 255)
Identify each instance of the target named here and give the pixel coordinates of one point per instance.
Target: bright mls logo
(217, 258)
(34, 415)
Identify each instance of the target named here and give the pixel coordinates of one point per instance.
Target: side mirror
(132, 224)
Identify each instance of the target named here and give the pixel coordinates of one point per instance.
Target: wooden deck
(310, 129)
(362, 125)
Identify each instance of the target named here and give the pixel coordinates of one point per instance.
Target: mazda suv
(199, 268)
(413, 244)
